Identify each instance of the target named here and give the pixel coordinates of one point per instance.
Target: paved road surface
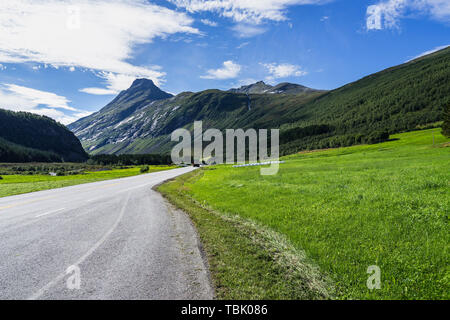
(119, 236)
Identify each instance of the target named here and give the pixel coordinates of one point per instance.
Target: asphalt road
(115, 239)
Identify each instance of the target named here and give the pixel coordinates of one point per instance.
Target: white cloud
(115, 84)
(230, 70)
(19, 98)
(283, 70)
(254, 11)
(386, 14)
(439, 9)
(429, 52)
(37, 97)
(96, 35)
(98, 91)
(244, 30)
(209, 22)
(242, 45)
(60, 116)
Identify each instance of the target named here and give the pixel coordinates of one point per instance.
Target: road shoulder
(193, 255)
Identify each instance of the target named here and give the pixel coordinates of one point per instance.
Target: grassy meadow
(12, 184)
(385, 204)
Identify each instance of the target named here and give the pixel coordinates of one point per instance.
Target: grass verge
(247, 261)
(19, 184)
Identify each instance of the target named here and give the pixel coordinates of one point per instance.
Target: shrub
(377, 137)
(145, 169)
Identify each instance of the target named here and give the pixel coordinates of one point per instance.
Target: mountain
(394, 100)
(147, 129)
(26, 137)
(142, 93)
(261, 88)
(398, 99)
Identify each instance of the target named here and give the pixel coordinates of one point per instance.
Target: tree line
(130, 159)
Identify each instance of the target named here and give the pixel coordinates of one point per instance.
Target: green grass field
(18, 184)
(386, 204)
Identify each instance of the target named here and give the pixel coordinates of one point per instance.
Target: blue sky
(66, 59)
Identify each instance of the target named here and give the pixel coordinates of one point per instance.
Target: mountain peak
(257, 87)
(145, 88)
(143, 82)
(142, 91)
(261, 87)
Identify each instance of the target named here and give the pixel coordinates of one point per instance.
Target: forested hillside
(394, 100)
(26, 137)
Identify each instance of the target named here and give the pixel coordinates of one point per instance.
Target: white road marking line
(47, 213)
(61, 276)
(26, 202)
